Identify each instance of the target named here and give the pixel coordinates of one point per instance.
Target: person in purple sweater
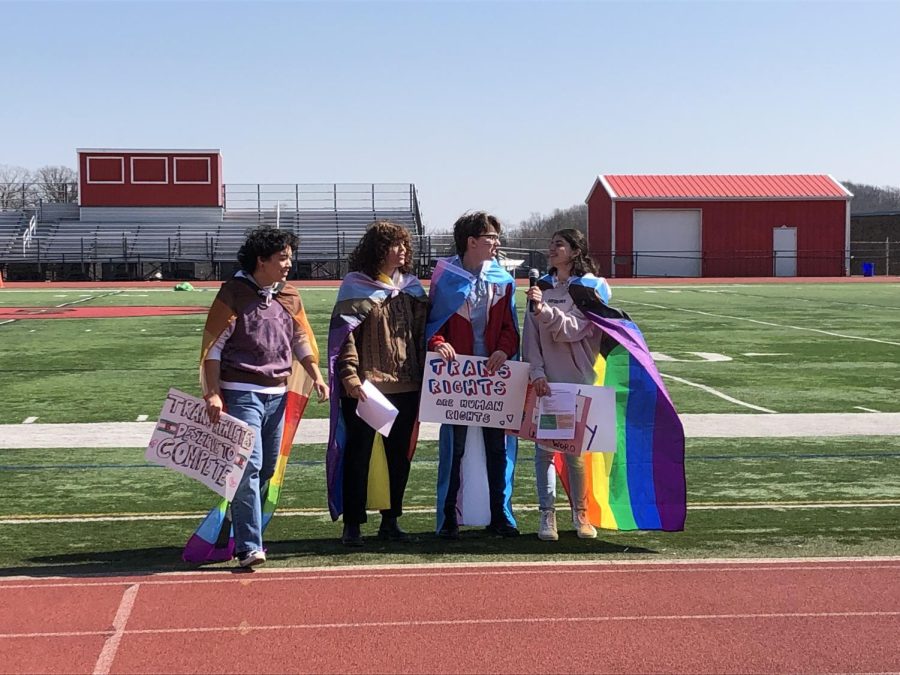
(247, 367)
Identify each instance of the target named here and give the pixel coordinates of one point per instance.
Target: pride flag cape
(450, 287)
(641, 486)
(358, 294)
(214, 540)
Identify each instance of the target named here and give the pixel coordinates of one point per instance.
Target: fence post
(887, 256)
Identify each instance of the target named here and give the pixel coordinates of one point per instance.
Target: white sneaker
(547, 530)
(251, 558)
(583, 526)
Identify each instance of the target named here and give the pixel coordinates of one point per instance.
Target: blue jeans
(265, 415)
(545, 473)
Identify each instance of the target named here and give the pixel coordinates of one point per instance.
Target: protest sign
(462, 392)
(595, 420)
(185, 441)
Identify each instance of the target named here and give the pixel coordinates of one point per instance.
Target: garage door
(666, 243)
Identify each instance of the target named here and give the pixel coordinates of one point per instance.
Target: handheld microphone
(533, 276)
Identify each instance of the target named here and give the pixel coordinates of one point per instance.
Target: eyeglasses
(492, 237)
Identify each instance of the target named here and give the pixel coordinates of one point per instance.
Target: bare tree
(57, 184)
(16, 187)
(871, 198)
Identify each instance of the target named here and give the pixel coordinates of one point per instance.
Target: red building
(719, 225)
(160, 178)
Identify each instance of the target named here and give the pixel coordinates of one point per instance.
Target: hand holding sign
(466, 391)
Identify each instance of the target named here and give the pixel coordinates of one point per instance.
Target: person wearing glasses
(473, 313)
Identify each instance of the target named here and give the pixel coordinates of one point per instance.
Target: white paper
(556, 413)
(376, 410)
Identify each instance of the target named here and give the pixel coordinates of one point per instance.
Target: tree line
(22, 188)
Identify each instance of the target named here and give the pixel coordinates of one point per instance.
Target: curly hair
(472, 225)
(372, 250)
(582, 263)
(261, 242)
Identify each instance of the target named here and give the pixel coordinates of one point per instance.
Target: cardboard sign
(595, 421)
(185, 441)
(462, 392)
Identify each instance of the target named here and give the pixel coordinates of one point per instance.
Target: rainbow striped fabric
(213, 541)
(356, 297)
(642, 485)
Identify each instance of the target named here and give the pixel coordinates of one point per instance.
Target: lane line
(716, 392)
(763, 323)
(29, 519)
(526, 568)
(245, 627)
(111, 646)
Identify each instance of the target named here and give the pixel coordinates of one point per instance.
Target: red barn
(719, 225)
(162, 178)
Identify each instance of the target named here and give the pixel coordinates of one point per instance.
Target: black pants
(495, 457)
(358, 453)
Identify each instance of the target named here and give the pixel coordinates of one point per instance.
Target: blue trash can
(868, 269)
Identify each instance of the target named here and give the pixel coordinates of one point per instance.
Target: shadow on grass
(474, 546)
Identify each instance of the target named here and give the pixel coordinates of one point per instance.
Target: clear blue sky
(512, 107)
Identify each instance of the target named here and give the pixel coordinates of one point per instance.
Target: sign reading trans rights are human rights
(462, 392)
(184, 440)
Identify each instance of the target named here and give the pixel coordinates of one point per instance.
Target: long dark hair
(372, 250)
(581, 260)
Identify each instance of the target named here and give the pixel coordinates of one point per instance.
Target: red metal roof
(796, 186)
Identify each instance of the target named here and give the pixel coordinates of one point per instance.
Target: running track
(838, 615)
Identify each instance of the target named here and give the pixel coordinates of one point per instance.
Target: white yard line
(141, 418)
(29, 420)
(316, 513)
(716, 392)
(111, 646)
(859, 407)
(718, 425)
(763, 323)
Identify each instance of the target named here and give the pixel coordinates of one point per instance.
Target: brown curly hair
(372, 250)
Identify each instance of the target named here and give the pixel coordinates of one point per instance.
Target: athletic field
(763, 353)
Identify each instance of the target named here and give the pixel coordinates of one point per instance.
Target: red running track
(695, 616)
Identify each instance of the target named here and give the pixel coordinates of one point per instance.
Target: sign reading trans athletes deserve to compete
(461, 392)
(185, 441)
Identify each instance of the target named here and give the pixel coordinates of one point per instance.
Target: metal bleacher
(139, 242)
(12, 223)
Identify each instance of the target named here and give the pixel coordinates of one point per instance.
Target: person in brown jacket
(377, 335)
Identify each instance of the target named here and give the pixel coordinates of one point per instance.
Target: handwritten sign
(595, 420)
(462, 392)
(185, 441)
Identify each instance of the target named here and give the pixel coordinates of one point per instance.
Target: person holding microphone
(562, 345)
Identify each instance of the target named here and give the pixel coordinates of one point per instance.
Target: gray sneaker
(547, 530)
(583, 526)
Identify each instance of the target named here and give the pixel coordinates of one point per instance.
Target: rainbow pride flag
(642, 485)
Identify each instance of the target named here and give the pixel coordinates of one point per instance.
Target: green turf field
(785, 348)
(818, 348)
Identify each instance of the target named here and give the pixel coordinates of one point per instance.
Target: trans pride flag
(450, 287)
(356, 297)
(213, 540)
(641, 486)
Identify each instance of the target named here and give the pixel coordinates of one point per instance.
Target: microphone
(533, 276)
